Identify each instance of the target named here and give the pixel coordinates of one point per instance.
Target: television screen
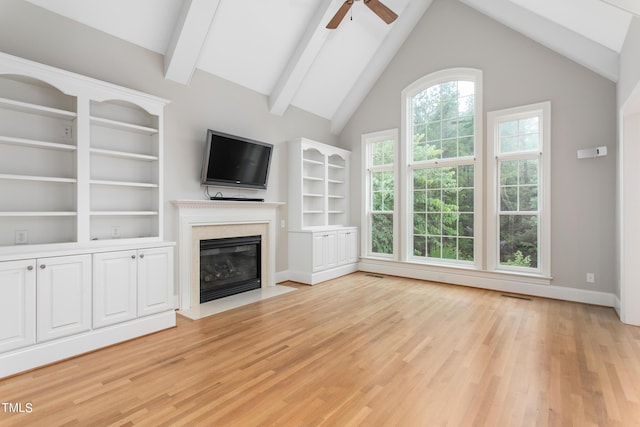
(232, 161)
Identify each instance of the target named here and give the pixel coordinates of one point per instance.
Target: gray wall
(208, 102)
(518, 71)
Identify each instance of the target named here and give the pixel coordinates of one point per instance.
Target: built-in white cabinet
(316, 256)
(322, 245)
(130, 284)
(63, 296)
(81, 179)
(44, 299)
(17, 304)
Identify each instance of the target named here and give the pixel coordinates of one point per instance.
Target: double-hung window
(444, 170)
(519, 173)
(379, 151)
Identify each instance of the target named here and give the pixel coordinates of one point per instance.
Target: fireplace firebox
(229, 266)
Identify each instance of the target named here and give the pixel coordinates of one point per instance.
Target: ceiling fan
(386, 14)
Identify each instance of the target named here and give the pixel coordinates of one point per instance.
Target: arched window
(443, 178)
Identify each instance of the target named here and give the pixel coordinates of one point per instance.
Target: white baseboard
(498, 282)
(48, 352)
(321, 276)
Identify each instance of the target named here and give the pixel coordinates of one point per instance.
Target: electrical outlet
(591, 278)
(115, 232)
(22, 237)
(283, 224)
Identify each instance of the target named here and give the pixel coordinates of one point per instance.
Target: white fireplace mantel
(200, 213)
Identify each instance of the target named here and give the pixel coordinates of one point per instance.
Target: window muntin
(381, 183)
(443, 180)
(521, 176)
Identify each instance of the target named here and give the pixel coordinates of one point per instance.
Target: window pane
(529, 172)
(419, 223)
(509, 199)
(419, 179)
(509, 128)
(419, 201)
(434, 130)
(449, 118)
(529, 142)
(509, 173)
(434, 224)
(449, 248)
(419, 246)
(382, 233)
(450, 224)
(387, 202)
(376, 204)
(465, 200)
(465, 249)
(434, 247)
(528, 198)
(465, 225)
(519, 240)
(529, 125)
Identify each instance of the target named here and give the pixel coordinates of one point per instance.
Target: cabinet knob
(141, 255)
(30, 268)
(42, 266)
(133, 257)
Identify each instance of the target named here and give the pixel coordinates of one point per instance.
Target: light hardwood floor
(358, 350)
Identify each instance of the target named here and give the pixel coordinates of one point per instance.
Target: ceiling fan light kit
(386, 14)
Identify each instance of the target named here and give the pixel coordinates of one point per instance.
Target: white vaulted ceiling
(282, 49)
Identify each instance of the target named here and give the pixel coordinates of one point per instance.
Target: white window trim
(406, 187)
(543, 110)
(367, 140)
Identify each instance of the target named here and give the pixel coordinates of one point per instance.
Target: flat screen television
(233, 161)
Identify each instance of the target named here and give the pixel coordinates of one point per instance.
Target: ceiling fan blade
(340, 14)
(386, 14)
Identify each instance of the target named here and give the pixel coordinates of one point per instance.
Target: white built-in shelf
(123, 183)
(312, 212)
(36, 214)
(313, 195)
(36, 143)
(123, 155)
(336, 212)
(332, 166)
(36, 178)
(313, 162)
(335, 181)
(41, 110)
(335, 196)
(312, 178)
(123, 213)
(114, 124)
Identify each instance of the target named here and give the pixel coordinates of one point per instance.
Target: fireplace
(229, 266)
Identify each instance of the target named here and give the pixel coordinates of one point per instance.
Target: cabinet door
(324, 250)
(63, 296)
(347, 246)
(114, 287)
(155, 280)
(319, 262)
(17, 304)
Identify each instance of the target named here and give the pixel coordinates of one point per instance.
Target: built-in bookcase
(317, 185)
(38, 157)
(124, 177)
(80, 159)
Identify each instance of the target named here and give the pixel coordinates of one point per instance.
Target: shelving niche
(125, 171)
(80, 159)
(38, 158)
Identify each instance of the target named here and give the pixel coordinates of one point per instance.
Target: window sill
(457, 274)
